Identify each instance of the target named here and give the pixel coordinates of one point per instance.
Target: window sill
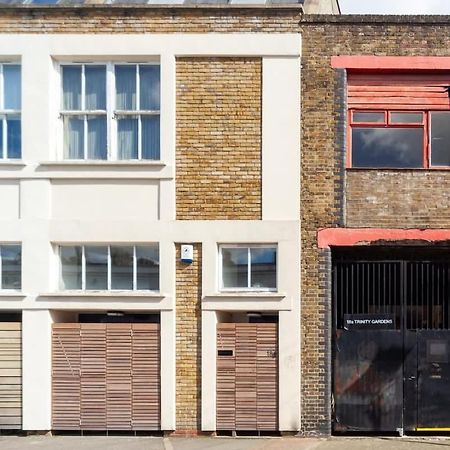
(12, 163)
(245, 295)
(15, 294)
(104, 294)
(397, 169)
(102, 163)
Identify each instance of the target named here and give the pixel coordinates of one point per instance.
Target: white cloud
(395, 6)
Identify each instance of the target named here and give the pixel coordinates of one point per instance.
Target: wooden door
(106, 376)
(10, 375)
(247, 376)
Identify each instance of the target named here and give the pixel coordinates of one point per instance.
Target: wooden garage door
(247, 376)
(10, 375)
(106, 376)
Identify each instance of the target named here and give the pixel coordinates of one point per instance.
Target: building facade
(150, 229)
(374, 233)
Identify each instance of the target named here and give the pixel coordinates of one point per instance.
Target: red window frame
(425, 125)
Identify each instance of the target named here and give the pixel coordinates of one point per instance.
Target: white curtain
(149, 88)
(71, 88)
(95, 77)
(127, 138)
(126, 87)
(73, 137)
(97, 137)
(12, 88)
(150, 137)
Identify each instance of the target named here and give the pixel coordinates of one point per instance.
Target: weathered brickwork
(148, 19)
(389, 199)
(411, 199)
(218, 138)
(188, 342)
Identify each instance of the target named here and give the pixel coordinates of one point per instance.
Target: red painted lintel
(391, 62)
(340, 237)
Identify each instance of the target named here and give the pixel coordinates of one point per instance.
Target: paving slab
(205, 443)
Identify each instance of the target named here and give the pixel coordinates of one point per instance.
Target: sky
(395, 6)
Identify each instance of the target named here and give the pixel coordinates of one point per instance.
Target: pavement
(206, 443)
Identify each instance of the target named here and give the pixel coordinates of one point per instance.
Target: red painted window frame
(426, 125)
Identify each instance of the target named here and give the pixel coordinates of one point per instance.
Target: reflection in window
(440, 139)
(387, 147)
(249, 267)
(10, 111)
(11, 262)
(117, 267)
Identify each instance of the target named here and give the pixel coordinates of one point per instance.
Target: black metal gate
(391, 342)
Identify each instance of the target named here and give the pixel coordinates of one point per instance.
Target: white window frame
(4, 113)
(249, 288)
(109, 267)
(112, 114)
(2, 244)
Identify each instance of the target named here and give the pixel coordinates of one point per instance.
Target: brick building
(161, 219)
(150, 229)
(374, 223)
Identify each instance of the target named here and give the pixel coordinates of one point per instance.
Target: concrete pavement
(150, 443)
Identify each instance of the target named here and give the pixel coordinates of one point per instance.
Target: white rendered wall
(47, 201)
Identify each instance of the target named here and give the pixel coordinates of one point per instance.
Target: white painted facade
(46, 201)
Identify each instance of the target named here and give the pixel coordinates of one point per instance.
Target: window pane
(440, 139)
(150, 137)
(125, 87)
(387, 147)
(235, 267)
(96, 267)
(149, 93)
(1, 137)
(12, 80)
(263, 267)
(368, 117)
(96, 137)
(147, 261)
(95, 87)
(14, 137)
(11, 266)
(406, 117)
(127, 138)
(70, 267)
(121, 267)
(71, 87)
(73, 137)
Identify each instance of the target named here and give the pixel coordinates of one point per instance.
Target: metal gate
(391, 344)
(106, 376)
(247, 376)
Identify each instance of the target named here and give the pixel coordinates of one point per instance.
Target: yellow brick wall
(188, 342)
(218, 139)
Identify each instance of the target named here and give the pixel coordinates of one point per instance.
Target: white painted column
(289, 370)
(36, 369)
(281, 138)
(168, 371)
(209, 361)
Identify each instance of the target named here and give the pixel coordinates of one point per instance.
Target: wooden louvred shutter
(246, 394)
(267, 376)
(146, 377)
(247, 376)
(66, 389)
(399, 91)
(93, 376)
(10, 375)
(106, 376)
(226, 377)
(118, 376)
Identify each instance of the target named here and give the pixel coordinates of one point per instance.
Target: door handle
(411, 378)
